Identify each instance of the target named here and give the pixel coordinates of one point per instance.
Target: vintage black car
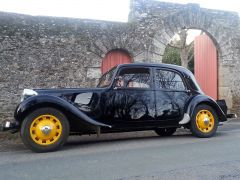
(129, 97)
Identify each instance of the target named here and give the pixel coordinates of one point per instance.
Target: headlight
(27, 93)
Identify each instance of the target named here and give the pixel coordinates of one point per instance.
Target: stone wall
(50, 52)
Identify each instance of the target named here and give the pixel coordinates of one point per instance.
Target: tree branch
(177, 47)
(190, 58)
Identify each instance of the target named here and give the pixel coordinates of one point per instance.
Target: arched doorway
(219, 33)
(205, 65)
(195, 50)
(114, 58)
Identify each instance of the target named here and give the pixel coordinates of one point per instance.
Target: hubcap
(205, 121)
(45, 129)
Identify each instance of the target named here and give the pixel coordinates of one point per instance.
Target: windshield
(106, 79)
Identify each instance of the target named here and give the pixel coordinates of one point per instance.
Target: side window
(168, 80)
(134, 78)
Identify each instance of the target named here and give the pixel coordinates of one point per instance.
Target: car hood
(66, 91)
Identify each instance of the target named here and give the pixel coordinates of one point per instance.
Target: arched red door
(114, 58)
(205, 65)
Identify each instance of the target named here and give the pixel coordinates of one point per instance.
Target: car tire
(44, 130)
(165, 131)
(204, 122)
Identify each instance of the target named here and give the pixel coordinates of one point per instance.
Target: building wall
(50, 52)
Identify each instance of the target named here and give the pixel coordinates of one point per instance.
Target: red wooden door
(205, 65)
(114, 58)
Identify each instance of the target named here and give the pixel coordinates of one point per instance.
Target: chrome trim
(46, 130)
(28, 92)
(186, 119)
(206, 121)
(7, 124)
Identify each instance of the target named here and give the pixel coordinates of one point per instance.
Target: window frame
(166, 89)
(135, 88)
(113, 70)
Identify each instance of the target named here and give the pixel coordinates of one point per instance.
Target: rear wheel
(44, 130)
(204, 122)
(165, 131)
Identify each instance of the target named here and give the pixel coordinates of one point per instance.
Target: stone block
(93, 73)
(225, 93)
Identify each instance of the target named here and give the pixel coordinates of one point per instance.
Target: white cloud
(115, 10)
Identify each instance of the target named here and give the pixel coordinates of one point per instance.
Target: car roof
(159, 65)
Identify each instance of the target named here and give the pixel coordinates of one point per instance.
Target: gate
(205, 65)
(114, 58)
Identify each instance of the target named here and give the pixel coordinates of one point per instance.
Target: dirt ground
(10, 142)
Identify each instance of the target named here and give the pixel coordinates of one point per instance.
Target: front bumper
(9, 126)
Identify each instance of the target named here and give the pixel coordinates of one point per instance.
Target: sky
(110, 10)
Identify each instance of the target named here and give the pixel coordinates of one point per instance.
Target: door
(205, 65)
(171, 97)
(132, 98)
(114, 58)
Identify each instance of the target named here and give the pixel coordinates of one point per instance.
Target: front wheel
(204, 122)
(44, 130)
(165, 131)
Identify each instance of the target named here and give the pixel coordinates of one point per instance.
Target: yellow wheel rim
(205, 121)
(45, 129)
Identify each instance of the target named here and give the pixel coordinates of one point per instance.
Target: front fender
(203, 99)
(44, 100)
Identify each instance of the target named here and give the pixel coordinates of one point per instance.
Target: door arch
(114, 58)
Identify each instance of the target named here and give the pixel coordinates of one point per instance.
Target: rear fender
(203, 99)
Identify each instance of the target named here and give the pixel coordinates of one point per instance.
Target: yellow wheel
(44, 130)
(204, 122)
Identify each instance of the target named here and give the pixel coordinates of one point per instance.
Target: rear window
(165, 79)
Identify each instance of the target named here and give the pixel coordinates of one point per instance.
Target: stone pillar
(224, 85)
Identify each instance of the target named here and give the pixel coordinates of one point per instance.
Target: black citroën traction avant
(129, 97)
